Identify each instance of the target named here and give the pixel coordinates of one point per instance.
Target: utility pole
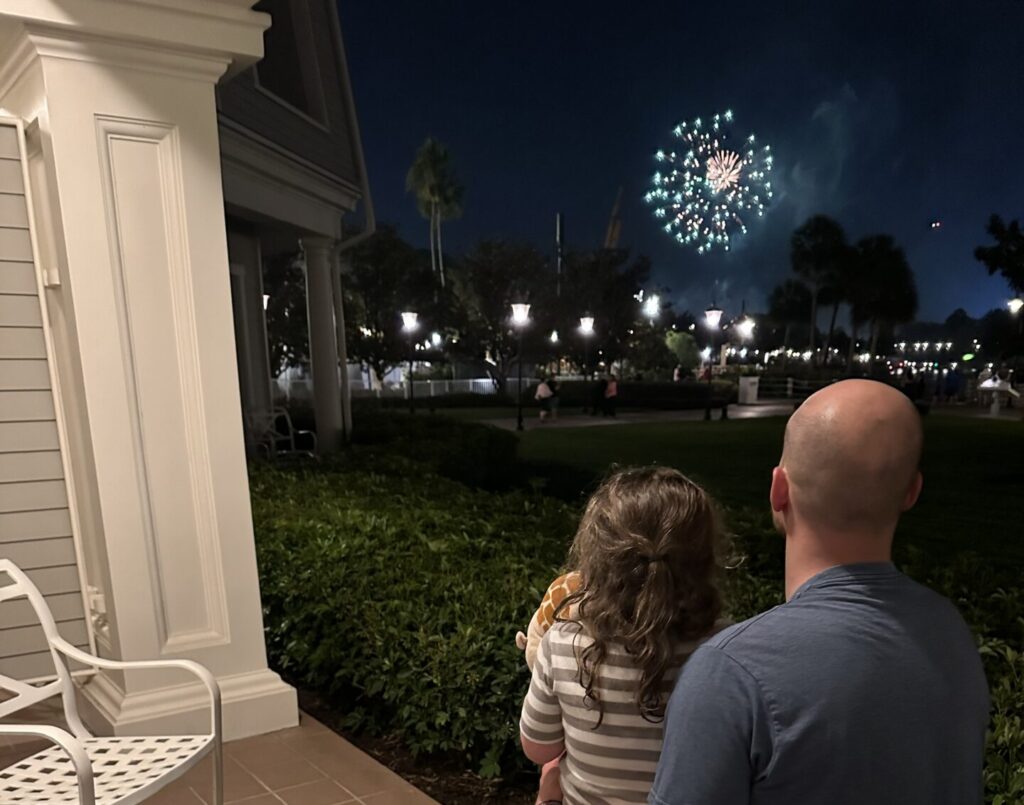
(558, 253)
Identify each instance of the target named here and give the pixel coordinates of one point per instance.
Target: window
(289, 68)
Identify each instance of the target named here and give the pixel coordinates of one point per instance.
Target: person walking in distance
(865, 686)
(543, 396)
(611, 395)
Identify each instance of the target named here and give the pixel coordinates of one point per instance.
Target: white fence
(429, 388)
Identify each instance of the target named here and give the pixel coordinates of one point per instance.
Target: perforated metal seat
(125, 770)
(81, 769)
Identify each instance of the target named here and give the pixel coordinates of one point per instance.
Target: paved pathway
(574, 419)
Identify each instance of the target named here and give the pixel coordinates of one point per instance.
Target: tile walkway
(304, 765)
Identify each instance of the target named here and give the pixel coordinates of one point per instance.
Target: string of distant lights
(709, 181)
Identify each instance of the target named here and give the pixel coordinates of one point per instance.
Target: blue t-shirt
(865, 687)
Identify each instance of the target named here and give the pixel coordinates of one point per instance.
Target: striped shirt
(614, 763)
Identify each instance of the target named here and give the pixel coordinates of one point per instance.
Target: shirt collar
(841, 574)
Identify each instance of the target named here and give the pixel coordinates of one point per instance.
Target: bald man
(864, 687)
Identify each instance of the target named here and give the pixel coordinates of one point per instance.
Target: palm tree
(817, 251)
(884, 292)
(438, 194)
(841, 291)
(788, 302)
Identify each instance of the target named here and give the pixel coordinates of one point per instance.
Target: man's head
(849, 464)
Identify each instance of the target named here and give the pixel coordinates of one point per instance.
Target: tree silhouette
(884, 292)
(387, 276)
(789, 302)
(1007, 255)
(817, 251)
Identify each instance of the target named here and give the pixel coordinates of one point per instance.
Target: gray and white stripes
(611, 763)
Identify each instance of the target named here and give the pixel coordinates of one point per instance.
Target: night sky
(886, 115)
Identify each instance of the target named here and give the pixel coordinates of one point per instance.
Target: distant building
(293, 168)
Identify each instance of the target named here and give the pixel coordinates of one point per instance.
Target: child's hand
(520, 641)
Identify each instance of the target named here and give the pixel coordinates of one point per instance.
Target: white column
(343, 265)
(323, 345)
(250, 330)
(125, 171)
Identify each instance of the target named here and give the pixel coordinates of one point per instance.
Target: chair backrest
(25, 695)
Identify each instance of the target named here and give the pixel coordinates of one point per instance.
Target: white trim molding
(253, 703)
(162, 208)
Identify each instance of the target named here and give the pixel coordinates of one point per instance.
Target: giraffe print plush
(544, 617)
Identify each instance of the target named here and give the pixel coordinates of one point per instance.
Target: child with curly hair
(646, 554)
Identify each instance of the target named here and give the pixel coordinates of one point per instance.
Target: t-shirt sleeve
(718, 734)
(541, 721)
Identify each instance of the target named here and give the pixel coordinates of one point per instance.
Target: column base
(253, 703)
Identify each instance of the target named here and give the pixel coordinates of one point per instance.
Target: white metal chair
(81, 769)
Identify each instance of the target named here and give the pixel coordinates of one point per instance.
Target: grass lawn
(973, 495)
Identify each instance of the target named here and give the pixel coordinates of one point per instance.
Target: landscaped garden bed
(392, 594)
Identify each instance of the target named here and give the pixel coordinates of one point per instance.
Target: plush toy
(544, 617)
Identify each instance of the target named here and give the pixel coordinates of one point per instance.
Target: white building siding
(35, 524)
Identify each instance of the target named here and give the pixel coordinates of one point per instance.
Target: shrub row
(397, 594)
(476, 454)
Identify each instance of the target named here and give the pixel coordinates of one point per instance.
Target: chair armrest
(70, 744)
(212, 688)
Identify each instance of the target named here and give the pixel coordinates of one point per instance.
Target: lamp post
(652, 307)
(520, 318)
(712, 317)
(1015, 306)
(586, 330)
(410, 324)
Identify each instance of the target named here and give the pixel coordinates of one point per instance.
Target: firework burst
(709, 183)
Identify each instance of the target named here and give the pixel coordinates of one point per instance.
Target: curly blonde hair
(647, 552)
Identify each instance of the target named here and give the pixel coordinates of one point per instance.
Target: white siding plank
(18, 526)
(19, 612)
(55, 580)
(32, 496)
(41, 553)
(13, 211)
(25, 437)
(24, 375)
(15, 244)
(22, 343)
(17, 278)
(10, 176)
(26, 406)
(39, 466)
(9, 142)
(20, 311)
(30, 639)
(30, 666)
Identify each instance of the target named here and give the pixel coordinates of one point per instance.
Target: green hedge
(475, 453)
(396, 594)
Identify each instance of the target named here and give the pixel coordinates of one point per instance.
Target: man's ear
(914, 492)
(779, 493)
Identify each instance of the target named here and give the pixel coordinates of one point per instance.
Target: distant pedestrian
(553, 400)
(611, 395)
(677, 374)
(543, 396)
